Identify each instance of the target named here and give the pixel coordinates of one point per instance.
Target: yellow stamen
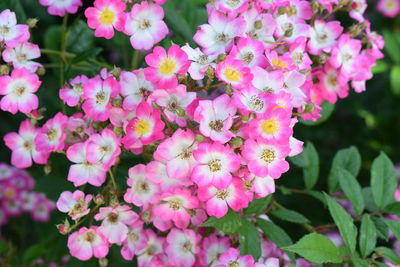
(141, 127)
(279, 63)
(232, 74)
(270, 126)
(107, 16)
(167, 66)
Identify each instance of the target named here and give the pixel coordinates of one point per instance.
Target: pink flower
(299, 55)
(218, 200)
(389, 8)
(177, 151)
(103, 148)
(261, 186)
(83, 171)
(290, 28)
(323, 36)
(163, 66)
(216, 163)
(86, 243)
(267, 81)
(152, 246)
(215, 118)
(234, 73)
(134, 242)
(134, 88)
(232, 258)
(145, 25)
(75, 204)
(266, 26)
(97, 94)
(18, 91)
(115, 221)
(72, 95)
(266, 157)
(249, 99)
(213, 247)
(105, 16)
(345, 55)
(274, 124)
(200, 62)
(332, 84)
(142, 191)
(294, 81)
(156, 171)
(23, 146)
(232, 8)
(182, 247)
(250, 52)
(174, 206)
(217, 36)
(145, 128)
(42, 208)
(174, 101)
(21, 56)
(52, 135)
(59, 8)
(12, 33)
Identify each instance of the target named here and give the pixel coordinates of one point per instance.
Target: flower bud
(237, 141)
(116, 72)
(309, 108)
(47, 169)
(292, 11)
(221, 57)
(199, 138)
(4, 70)
(41, 71)
(181, 77)
(289, 32)
(116, 102)
(118, 131)
(63, 229)
(32, 22)
(146, 216)
(228, 90)
(98, 200)
(281, 10)
(103, 262)
(210, 72)
(258, 24)
(181, 112)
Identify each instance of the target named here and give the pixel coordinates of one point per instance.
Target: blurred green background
(369, 121)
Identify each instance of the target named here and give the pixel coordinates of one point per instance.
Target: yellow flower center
(232, 74)
(279, 63)
(390, 4)
(167, 66)
(270, 126)
(268, 155)
(141, 127)
(107, 16)
(10, 193)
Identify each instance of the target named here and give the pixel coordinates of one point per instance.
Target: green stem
(135, 59)
(113, 180)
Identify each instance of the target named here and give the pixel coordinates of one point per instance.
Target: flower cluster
(19, 86)
(17, 197)
(215, 122)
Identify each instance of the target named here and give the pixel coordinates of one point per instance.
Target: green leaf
(309, 161)
(327, 110)
(360, 262)
(274, 233)
(388, 254)
(258, 205)
(351, 189)
(369, 199)
(289, 215)
(395, 79)
(383, 180)
(249, 240)
(393, 208)
(80, 37)
(348, 159)
(380, 264)
(174, 18)
(52, 41)
(344, 222)
(229, 224)
(367, 236)
(394, 226)
(316, 248)
(34, 252)
(382, 229)
(380, 67)
(391, 45)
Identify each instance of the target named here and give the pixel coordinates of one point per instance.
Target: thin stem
(113, 180)
(135, 59)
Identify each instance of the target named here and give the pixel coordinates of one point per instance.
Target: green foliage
(367, 236)
(351, 189)
(249, 239)
(395, 79)
(383, 180)
(309, 161)
(348, 159)
(258, 206)
(316, 248)
(344, 222)
(289, 215)
(228, 224)
(392, 45)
